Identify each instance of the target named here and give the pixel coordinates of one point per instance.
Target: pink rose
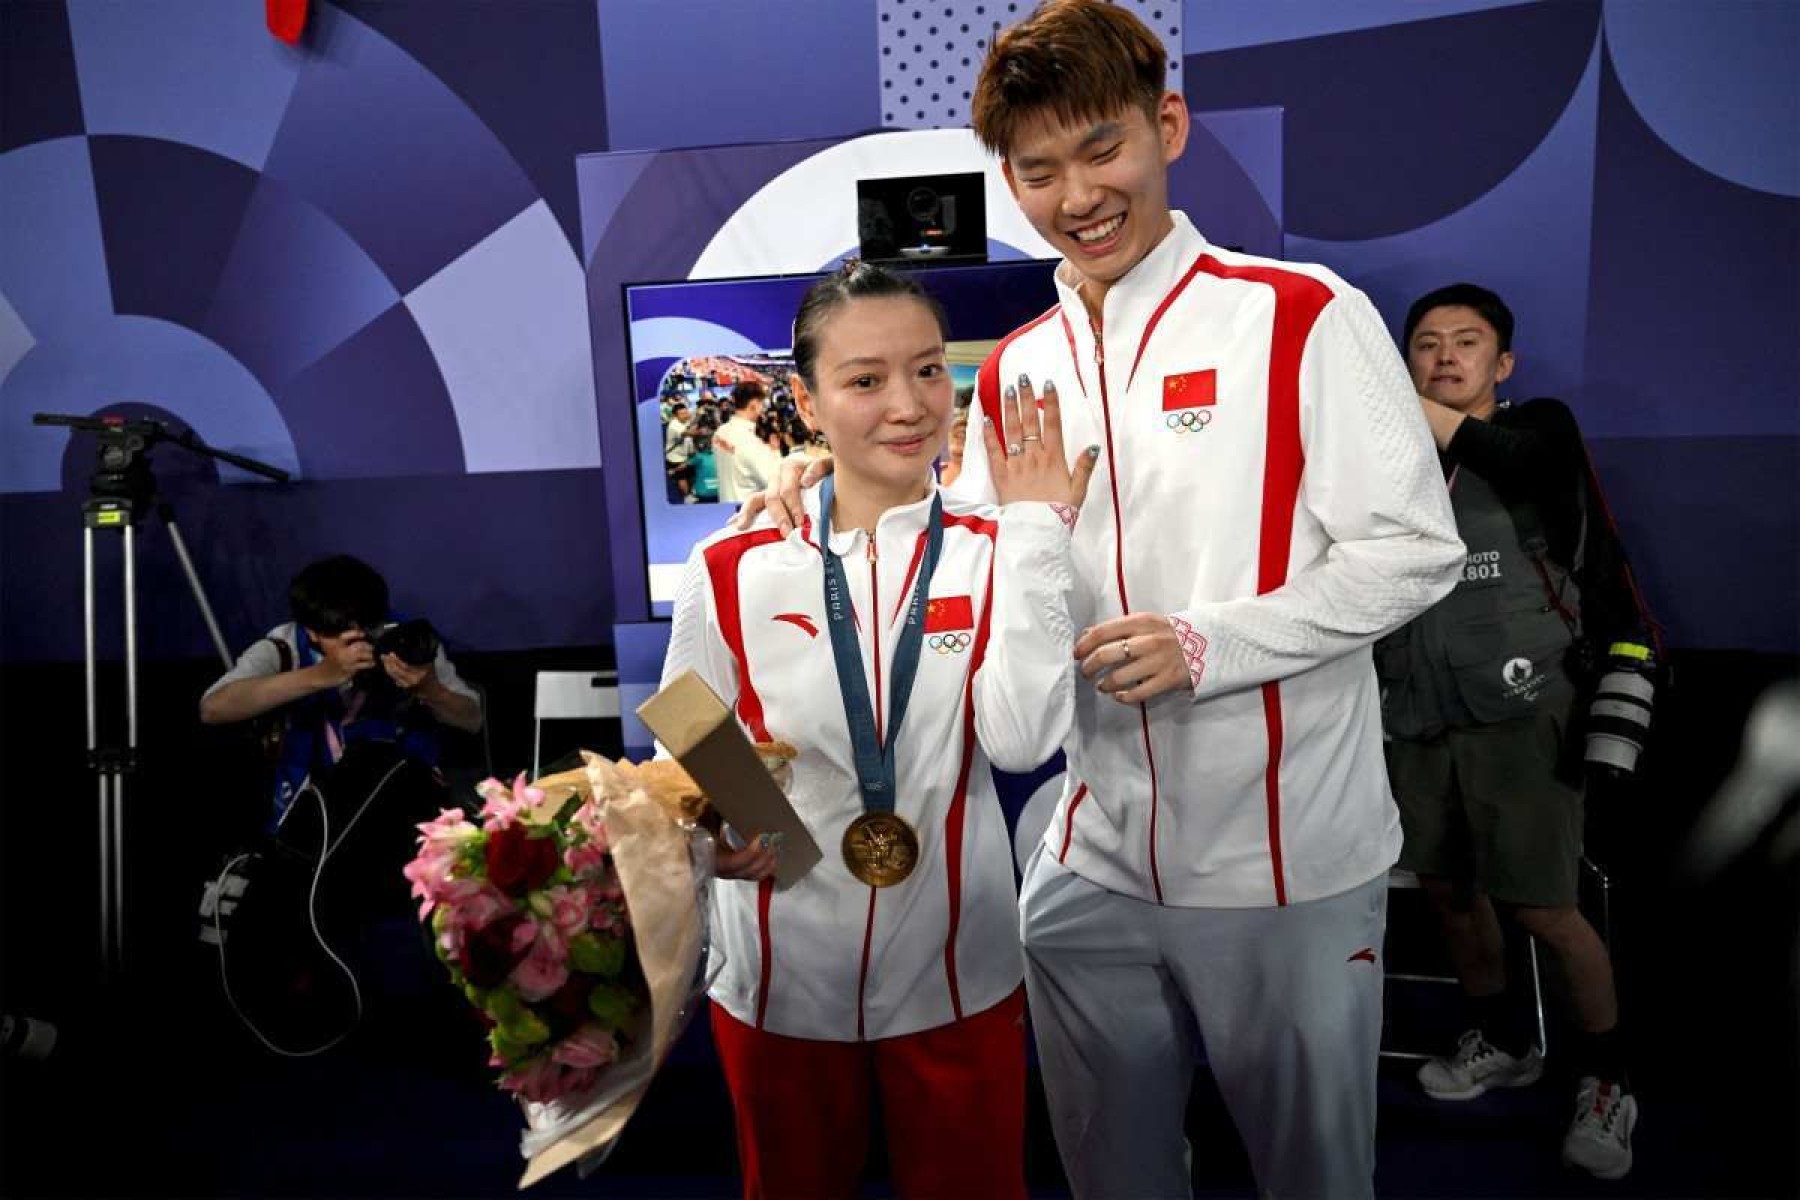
(543, 970)
(589, 1046)
(585, 859)
(568, 910)
(540, 1080)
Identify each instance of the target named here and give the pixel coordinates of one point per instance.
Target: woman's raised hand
(1030, 463)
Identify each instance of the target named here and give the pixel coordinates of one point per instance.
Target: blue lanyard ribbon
(874, 755)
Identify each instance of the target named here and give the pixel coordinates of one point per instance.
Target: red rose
(487, 956)
(517, 862)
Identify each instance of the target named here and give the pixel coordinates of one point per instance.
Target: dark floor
(154, 1090)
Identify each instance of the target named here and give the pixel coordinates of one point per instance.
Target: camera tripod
(121, 494)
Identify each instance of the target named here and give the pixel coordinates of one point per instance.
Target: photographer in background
(351, 708)
(1478, 696)
(322, 673)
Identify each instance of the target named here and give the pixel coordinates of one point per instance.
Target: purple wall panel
(1388, 129)
(40, 93)
(391, 154)
(715, 72)
(375, 399)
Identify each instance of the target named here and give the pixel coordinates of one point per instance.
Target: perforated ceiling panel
(932, 52)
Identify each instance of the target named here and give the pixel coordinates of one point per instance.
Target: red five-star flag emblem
(1190, 389)
(947, 613)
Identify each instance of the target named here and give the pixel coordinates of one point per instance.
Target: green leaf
(510, 1050)
(595, 954)
(611, 1006)
(525, 1029)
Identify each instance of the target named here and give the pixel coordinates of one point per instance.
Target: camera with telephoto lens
(1619, 716)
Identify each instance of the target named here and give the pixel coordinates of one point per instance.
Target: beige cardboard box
(689, 718)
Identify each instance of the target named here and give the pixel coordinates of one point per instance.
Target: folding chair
(571, 696)
(1399, 880)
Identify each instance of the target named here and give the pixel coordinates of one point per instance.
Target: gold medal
(880, 849)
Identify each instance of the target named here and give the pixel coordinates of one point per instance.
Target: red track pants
(953, 1101)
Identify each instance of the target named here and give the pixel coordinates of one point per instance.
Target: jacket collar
(904, 521)
(1130, 302)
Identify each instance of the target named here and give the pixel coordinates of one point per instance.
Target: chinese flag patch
(947, 613)
(1190, 389)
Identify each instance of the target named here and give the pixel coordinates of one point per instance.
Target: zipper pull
(871, 536)
(1099, 344)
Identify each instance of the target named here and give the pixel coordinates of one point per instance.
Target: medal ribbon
(874, 755)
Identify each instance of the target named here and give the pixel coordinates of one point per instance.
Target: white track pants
(1287, 1002)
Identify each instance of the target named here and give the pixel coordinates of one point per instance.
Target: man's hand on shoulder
(781, 499)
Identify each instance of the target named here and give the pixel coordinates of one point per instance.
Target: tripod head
(122, 487)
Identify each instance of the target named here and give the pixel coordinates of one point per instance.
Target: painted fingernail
(1093, 452)
(1024, 380)
(1049, 385)
(765, 840)
(1011, 393)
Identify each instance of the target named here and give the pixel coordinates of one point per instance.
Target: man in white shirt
(746, 463)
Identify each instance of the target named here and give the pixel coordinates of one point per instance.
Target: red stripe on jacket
(1299, 299)
(959, 802)
(722, 562)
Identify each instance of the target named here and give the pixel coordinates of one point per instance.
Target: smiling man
(1478, 700)
(1266, 505)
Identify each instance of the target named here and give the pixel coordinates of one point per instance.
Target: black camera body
(413, 642)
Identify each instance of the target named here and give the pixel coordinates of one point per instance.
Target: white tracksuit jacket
(1267, 478)
(831, 958)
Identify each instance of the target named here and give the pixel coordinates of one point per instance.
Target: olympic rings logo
(949, 643)
(1188, 420)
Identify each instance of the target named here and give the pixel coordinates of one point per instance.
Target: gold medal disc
(880, 849)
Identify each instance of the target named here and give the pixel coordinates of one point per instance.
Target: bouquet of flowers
(572, 917)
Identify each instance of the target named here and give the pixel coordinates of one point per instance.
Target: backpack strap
(272, 727)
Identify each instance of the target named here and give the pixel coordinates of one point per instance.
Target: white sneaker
(1477, 1066)
(1599, 1138)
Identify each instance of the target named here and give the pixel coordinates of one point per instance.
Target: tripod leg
(131, 655)
(128, 762)
(105, 821)
(193, 578)
(87, 618)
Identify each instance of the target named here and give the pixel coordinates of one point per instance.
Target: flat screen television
(691, 341)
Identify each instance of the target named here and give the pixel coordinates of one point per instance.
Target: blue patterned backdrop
(360, 258)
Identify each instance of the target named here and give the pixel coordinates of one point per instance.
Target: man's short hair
(1492, 308)
(1078, 61)
(746, 392)
(332, 594)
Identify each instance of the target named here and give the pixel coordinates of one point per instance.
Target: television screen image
(699, 347)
